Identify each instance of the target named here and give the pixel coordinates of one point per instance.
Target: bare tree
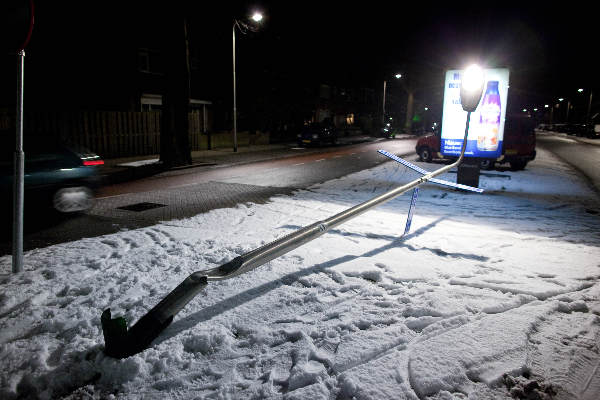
(174, 140)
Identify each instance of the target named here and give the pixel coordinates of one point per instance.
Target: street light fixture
(471, 88)
(244, 27)
(257, 17)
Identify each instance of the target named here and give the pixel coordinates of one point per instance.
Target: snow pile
(492, 295)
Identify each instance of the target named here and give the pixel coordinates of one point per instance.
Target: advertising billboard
(486, 128)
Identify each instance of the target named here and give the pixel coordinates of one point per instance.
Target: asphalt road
(187, 192)
(294, 168)
(583, 154)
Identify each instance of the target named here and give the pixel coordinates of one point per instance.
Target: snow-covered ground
(489, 296)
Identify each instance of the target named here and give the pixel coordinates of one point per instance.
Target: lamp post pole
(589, 106)
(18, 188)
(383, 104)
(243, 27)
(397, 76)
(234, 96)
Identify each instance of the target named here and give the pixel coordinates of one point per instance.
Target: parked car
(58, 176)
(318, 134)
(519, 143)
(517, 150)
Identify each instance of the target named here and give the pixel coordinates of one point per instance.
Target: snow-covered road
(489, 296)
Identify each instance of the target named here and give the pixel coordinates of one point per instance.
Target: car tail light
(89, 163)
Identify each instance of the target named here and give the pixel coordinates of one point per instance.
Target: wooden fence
(109, 133)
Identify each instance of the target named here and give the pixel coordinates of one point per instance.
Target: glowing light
(473, 78)
(524, 110)
(398, 76)
(546, 106)
(257, 17)
(426, 108)
(560, 99)
(535, 109)
(580, 90)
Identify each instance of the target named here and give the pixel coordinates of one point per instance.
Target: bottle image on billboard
(489, 119)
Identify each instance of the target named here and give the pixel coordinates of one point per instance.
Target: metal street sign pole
(18, 181)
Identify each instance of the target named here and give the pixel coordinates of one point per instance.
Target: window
(149, 61)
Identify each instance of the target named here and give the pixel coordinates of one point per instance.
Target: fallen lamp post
(121, 342)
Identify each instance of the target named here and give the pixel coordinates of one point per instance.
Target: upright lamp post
(243, 27)
(397, 76)
(561, 100)
(20, 22)
(19, 179)
(589, 108)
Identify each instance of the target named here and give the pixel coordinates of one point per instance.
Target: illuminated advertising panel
(486, 128)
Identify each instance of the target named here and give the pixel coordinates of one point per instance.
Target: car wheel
(518, 165)
(425, 154)
(73, 199)
(487, 164)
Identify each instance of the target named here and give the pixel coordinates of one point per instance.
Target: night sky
(549, 48)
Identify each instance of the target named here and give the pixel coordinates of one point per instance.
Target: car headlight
(315, 136)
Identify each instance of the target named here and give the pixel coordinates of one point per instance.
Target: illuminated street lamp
(244, 27)
(471, 88)
(580, 90)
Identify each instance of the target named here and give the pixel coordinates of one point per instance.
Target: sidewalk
(124, 169)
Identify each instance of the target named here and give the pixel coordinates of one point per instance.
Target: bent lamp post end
(121, 342)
